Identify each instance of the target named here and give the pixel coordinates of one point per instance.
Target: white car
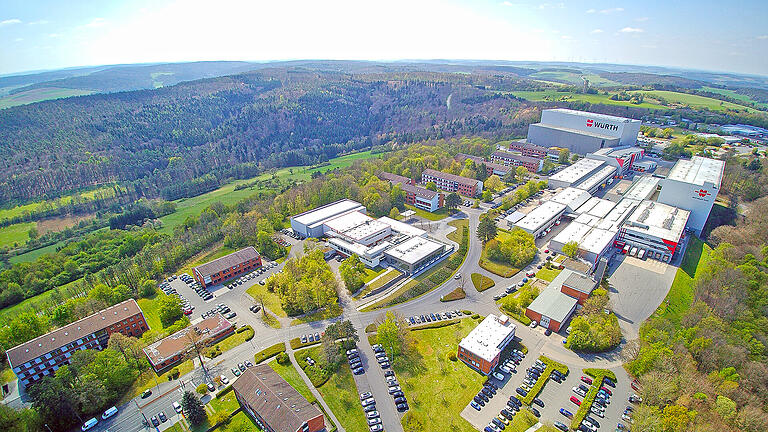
(579, 391)
(533, 324)
(89, 424)
(505, 369)
(177, 407)
(224, 380)
(499, 376)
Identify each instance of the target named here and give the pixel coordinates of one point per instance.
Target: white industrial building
(572, 198)
(598, 180)
(576, 173)
(414, 254)
(693, 185)
(653, 230)
(311, 223)
(596, 207)
(356, 227)
(582, 132)
(623, 158)
(643, 188)
(541, 218)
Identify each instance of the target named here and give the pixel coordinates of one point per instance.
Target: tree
(169, 309)
(352, 271)
(494, 183)
(394, 213)
(486, 229)
(193, 408)
(431, 186)
(32, 233)
(522, 173)
(147, 288)
(571, 249)
(565, 156)
(487, 196)
(388, 334)
(452, 201)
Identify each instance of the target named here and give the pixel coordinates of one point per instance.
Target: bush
(544, 378)
(516, 248)
(481, 282)
(475, 316)
(283, 359)
(452, 356)
(466, 312)
(456, 294)
(202, 389)
(586, 404)
(434, 324)
(213, 351)
(219, 418)
(596, 332)
(174, 374)
(269, 352)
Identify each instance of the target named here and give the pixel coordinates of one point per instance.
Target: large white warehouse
(693, 185)
(582, 132)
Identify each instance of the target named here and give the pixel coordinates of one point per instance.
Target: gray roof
(227, 261)
(580, 283)
(268, 394)
(418, 191)
(553, 304)
(451, 177)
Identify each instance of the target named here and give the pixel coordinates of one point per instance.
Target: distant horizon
(670, 68)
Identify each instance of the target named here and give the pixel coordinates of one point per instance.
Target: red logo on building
(703, 193)
(590, 122)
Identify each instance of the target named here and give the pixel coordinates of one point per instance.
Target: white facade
(489, 337)
(655, 228)
(624, 129)
(541, 218)
(693, 185)
(598, 179)
(576, 173)
(311, 223)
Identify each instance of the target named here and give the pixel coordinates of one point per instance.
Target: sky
(693, 34)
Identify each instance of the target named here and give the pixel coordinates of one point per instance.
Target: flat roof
(515, 217)
(413, 249)
(347, 221)
(571, 197)
(642, 188)
(596, 207)
(574, 231)
(69, 333)
(595, 179)
(597, 240)
(365, 230)
(178, 342)
(227, 261)
(576, 131)
(594, 115)
(578, 171)
(619, 152)
(402, 227)
(698, 170)
(540, 215)
(360, 249)
(485, 340)
(658, 220)
(321, 213)
(618, 214)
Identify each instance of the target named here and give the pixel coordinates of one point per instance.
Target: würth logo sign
(703, 193)
(606, 126)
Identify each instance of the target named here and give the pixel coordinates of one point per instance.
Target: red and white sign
(590, 122)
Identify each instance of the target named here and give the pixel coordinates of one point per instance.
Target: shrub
(456, 294)
(434, 324)
(283, 359)
(174, 374)
(219, 418)
(466, 312)
(596, 332)
(452, 356)
(475, 316)
(586, 404)
(544, 378)
(202, 389)
(269, 352)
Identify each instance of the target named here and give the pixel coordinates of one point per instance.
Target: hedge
(435, 324)
(224, 391)
(370, 328)
(296, 343)
(589, 399)
(544, 378)
(250, 331)
(269, 352)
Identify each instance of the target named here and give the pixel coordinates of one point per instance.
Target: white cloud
(591, 10)
(10, 22)
(762, 37)
(18, 40)
(53, 35)
(605, 11)
(509, 3)
(552, 6)
(96, 22)
(596, 31)
(38, 22)
(566, 37)
(631, 30)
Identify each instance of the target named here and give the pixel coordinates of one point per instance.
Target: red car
(188, 312)
(586, 379)
(575, 400)
(635, 385)
(605, 389)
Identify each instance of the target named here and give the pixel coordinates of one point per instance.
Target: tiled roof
(275, 401)
(169, 346)
(419, 191)
(227, 261)
(394, 178)
(48, 342)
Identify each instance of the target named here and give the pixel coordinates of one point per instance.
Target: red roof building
(227, 267)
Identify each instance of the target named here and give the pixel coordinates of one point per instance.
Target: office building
(654, 229)
(416, 196)
(453, 183)
(693, 185)
(582, 132)
(43, 355)
(414, 254)
(227, 267)
(482, 347)
(528, 149)
(174, 349)
(533, 164)
(273, 404)
(311, 222)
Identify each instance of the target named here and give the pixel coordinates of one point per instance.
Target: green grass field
(340, 393)
(151, 313)
(326, 313)
(436, 216)
(695, 101)
(16, 234)
(573, 78)
(291, 375)
(733, 94)
(186, 207)
(680, 296)
(35, 254)
(547, 274)
(271, 300)
(482, 283)
(18, 210)
(553, 95)
(38, 95)
(435, 385)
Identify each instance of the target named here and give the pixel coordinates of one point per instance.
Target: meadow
(695, 101)
(554, 95)
(39, 95)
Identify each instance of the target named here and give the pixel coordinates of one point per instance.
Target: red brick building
(43, 355)
(491, 168)
(172, 350)
(273, 404)
(555, 304)
(528, 149)
(533, 164)
(416, 196)
(481, 348)
(227, 267)
(453, 183)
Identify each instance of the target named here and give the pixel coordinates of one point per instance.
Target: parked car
(586, 379)
(177, 407)
(499, 376)
(575, 400)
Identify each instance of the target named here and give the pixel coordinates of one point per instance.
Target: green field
(34, 254)
(271, 300)
(547, 274)
(151, 314)
(574, 78)
(733, 94)
(432, 216)
(435, 385)
(340, 393)
(290, 375)
(695, 101)
(36, 303)
(227, 194)
(680, 296)
(38, 95)
(12, 235)
(554, 95)
(18, 210)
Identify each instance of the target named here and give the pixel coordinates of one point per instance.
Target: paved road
(129, 418)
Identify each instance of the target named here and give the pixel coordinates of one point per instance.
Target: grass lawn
(16, 234)
(270, 320)
(217, 251)
(459, 224)
(372, 273)
(147, 380)
(32, 303)
(378, 283)
(35, 254)
(329, 312)
(149, 306)
(271, 300)
(433, 216)
(680, 296)
(547, 274)
(574, 78)
(291, 375)
(234, 340)
(482, 283)
(434, 385)
(523, 420)
(340, 393)
(318, 373)
(735, 95)
(554, 95)
(695, 101)
(269, 352)
(38, 95)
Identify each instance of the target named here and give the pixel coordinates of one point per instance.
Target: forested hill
(161, 141)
